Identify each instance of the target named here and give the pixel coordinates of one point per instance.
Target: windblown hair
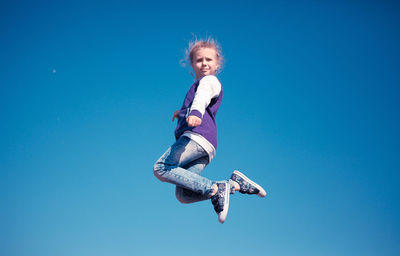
(196, 44)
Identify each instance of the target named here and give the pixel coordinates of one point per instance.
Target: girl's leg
(187, 196)
(169, 168)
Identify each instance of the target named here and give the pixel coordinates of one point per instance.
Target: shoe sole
(222, 215)
(262, 192)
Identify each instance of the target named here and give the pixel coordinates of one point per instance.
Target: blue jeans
(182, 165)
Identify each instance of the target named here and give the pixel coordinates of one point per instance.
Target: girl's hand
(176, 115)
(193, 121)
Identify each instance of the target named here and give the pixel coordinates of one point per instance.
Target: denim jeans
(182, 165)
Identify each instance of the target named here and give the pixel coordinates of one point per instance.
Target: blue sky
(310, 111)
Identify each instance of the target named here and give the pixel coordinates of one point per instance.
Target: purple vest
(208, 127)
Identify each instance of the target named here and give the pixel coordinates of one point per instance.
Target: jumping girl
(196, 137)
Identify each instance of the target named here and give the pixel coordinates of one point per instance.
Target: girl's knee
(159, 170)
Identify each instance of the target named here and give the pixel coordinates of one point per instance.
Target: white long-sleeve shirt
(209, 88)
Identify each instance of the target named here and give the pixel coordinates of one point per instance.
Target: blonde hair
(196, 44)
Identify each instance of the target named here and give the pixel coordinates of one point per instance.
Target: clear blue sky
(310, 111)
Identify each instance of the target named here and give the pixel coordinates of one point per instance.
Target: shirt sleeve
(209, 88)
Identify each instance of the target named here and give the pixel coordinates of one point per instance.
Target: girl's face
(205, 62)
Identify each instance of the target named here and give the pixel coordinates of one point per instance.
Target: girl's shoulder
(210, 83)
(210, 79)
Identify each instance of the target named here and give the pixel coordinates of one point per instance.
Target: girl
(196, 137)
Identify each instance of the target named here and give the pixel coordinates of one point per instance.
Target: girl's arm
(209, 88)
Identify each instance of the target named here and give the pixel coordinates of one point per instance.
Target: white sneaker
(221, 200)
(247, 186)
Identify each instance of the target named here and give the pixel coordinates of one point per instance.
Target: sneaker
(221, 200)
(247, 186)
